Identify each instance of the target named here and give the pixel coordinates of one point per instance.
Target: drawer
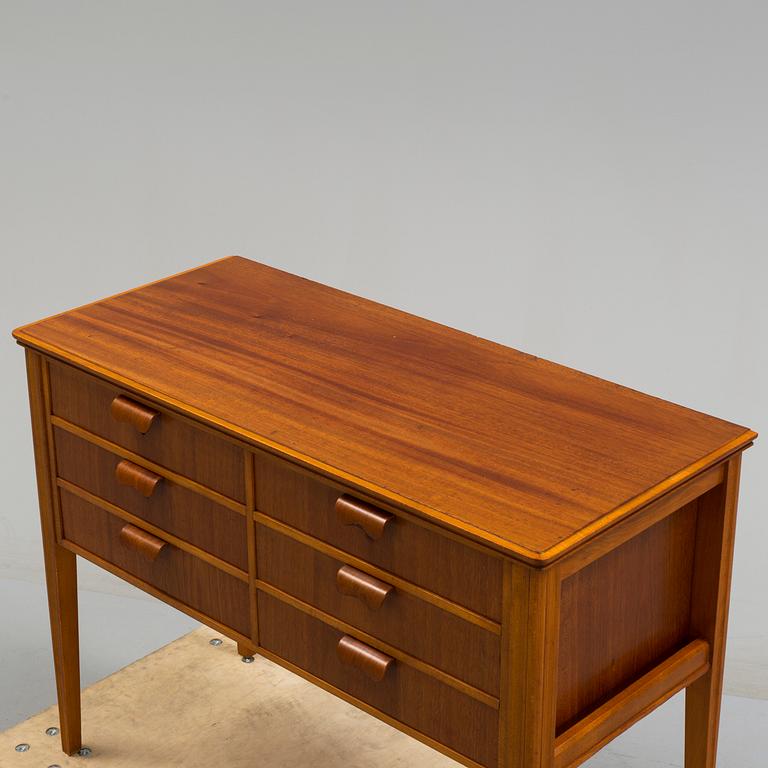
(178, 574)
(423, 630)
(411, 697)
(190, 516)
(461, 573)
(170, 440)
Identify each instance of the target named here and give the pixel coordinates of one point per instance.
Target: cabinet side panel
(624, 613)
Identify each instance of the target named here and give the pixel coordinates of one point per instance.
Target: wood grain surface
(175, 443)
(60, 564)
(510, 449)
(175, 572)
(419, 628)
(407, 695)
(710, 601)
(188, 515)
(586, 737)
(441, 564)
(623, 613)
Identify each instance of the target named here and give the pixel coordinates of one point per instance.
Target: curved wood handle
(368, 660)
(134, 476)
(373, 521)
(369, 589)
(131, 412)
(142, 542)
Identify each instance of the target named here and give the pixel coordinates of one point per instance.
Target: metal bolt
(54, 766)
(84, 751)
(216, 641)
(22, 747)
(247, 659)
(52, 731)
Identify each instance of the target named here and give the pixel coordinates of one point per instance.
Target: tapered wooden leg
(244, 650)
(60, 565)
(530, 638)
(61, 578)
(709, 614)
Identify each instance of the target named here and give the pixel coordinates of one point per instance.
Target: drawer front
(405, 694)
(170, 440)
(428, 633)
(214, 528)
(414, 552)
(174, 572)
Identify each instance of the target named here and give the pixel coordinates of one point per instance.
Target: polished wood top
(520, 453)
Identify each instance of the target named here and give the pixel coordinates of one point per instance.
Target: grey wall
(586, 181)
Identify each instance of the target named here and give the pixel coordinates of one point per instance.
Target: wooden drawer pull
(369, 589)
(134, 476)
(142, 542)
(368, 660)
(131, 412)
(373, 521)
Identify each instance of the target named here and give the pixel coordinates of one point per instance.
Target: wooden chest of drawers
(504, 558)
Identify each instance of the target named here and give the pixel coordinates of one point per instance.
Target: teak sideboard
(505, 558)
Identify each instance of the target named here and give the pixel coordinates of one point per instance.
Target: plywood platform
(196, 705)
